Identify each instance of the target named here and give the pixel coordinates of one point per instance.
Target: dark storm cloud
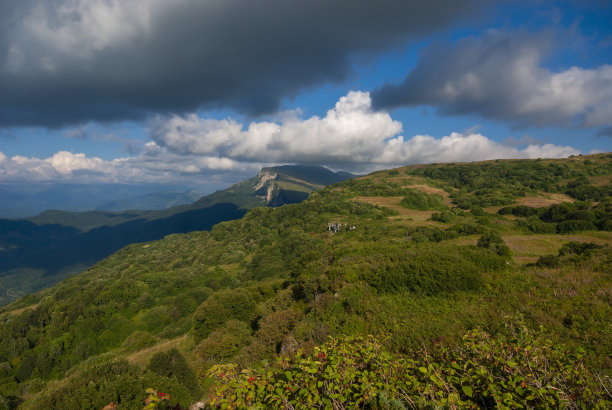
(500, 76)
(605, 132)
(69, 62)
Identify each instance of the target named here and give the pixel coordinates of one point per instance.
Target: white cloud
(154, 164)
(501, 76)
(351, 136)
(66, 162)
(77, 28)
(350, 133)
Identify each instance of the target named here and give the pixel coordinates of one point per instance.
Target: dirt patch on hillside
(601, 180)
(393, 202)
(144, 355)
(528, 248)
(545, 199)
(388, 201)
(19, 311)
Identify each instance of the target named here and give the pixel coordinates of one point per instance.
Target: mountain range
(26, 200)
(39, 251)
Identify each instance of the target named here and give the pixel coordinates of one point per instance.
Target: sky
(205, 93)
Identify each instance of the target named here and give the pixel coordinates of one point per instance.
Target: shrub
(578, 248)
(427, 234)
(542, 227)
(429, 270)
(423, 201)
(224, 342)
(172, 364)
(548, 261)
(575, 226)
(468, 229)
(219, 308)
(494, 242)
(524, 371)
(444, 216)
(104, 380)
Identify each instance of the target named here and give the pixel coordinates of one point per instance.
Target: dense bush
(95, 384)
(468, 229)
(444, 216)
(224, 342)
(429, 234)
(570, 226)
(219, 308)
(579, 248)
(430, 271)
(548, 261)
(414, 199)
(494, 242)
(523, 371)
(172, 364)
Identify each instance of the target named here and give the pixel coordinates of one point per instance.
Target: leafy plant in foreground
(523, 371)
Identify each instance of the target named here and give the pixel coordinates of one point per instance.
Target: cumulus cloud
(351, 136)
(500, 76)
(350, 133)
(153, 164)
(71, 61)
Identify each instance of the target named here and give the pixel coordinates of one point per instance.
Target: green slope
(40, 251)
(389, 255)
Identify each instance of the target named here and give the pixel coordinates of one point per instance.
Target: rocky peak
(264, 179)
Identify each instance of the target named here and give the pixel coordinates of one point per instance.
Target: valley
(40, 251)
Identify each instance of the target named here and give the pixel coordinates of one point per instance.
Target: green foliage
(172, 364)
(571, 226)
(494, 242)
(429, 234)
(523, 371)
(156, 400)
(468, 229)
(562, 218)
(105, 380)
(429, 270)
(582, 190)
(444, 216)
(222, 306)
(495, 183)
(224, 342)
(548, 261)
(423, 201)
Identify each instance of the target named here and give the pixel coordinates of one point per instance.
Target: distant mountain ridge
(151, 201)
(26, 200)
(39, 251)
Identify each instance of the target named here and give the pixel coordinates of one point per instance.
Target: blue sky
(206, 93)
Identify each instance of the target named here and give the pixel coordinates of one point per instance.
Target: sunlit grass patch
(528, 248)
(142, 357)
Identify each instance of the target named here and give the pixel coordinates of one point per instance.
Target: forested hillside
(40, 251)
(460, 285)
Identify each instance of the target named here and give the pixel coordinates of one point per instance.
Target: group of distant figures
(337, 227)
